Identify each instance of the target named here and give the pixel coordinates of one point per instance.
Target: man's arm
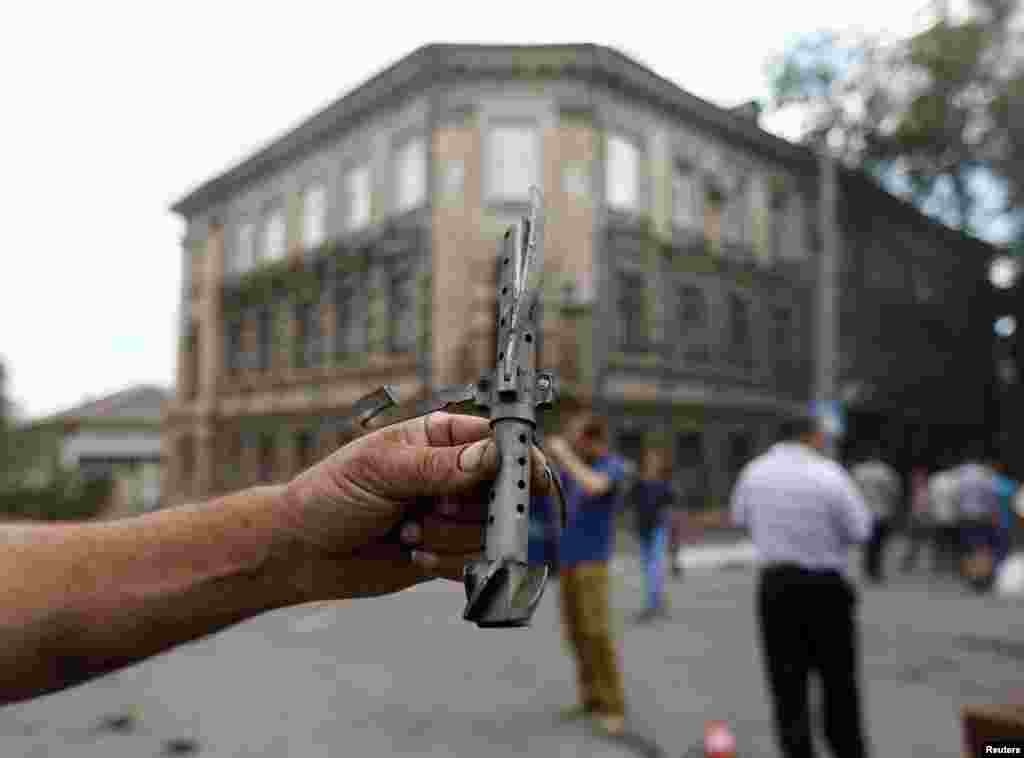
(853, 514)
(79, 600)
(593, 483)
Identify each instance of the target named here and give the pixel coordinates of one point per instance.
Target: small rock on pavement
(181, 746)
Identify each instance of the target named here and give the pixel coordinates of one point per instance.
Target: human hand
(556, 446)
(430, 475)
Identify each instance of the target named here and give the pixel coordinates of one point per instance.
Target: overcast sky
(115, 110)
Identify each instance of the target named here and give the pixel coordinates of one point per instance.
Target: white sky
(115, 110)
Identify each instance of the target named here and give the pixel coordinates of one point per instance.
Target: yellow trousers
(587, 618)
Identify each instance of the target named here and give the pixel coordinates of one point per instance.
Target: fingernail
(472, 458)
(424, 559)
(411, 533)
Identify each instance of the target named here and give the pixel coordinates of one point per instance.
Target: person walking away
(803, 512)
(920, 525)
(651, 499)
(1006, 491)
(592, 479)
(978, 502)
(942, 496)
(880, 485)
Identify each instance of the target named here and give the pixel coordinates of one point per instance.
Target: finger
(420, 471)
(437, 535)
(445, 429)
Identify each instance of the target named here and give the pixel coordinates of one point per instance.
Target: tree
(934, 116)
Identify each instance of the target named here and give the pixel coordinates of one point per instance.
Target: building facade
(116, 438)
(684, 290)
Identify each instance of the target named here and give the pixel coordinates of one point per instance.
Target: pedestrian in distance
(880, 485)
(593, 482)
(651, 499)
(919, 524)
(942, 496)
(1006, 490)
(803, 512)
(978, 506)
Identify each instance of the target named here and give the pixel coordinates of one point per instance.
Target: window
(402, 298)
(344, 317)
(692, 316)
(685, 213)
(736, 211)
(631, 311)
(782, 329)
(779, 222)
(623, 174)
(314, 210)
(411, 175)
(274, 236)
(514, 163)
(234, 346)
(739, 331)
(190, 360)
(357, 198)
(263, 339)
(307, 346)
(245, 252)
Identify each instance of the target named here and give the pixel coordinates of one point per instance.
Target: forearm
(592, 482)
(98, 596)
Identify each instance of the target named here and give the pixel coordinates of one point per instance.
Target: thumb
(452, 470)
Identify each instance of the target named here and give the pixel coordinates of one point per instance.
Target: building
(702, 276)
(116, 437)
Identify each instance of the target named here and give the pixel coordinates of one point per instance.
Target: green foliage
(69, 497)
(935, 109)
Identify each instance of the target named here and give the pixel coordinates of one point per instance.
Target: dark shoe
(646, 616)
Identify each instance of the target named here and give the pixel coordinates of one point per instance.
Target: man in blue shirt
(591, 479)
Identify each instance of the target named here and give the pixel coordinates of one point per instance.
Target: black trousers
(807, 622)
(874, 551)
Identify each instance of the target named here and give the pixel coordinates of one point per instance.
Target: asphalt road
(404, 675)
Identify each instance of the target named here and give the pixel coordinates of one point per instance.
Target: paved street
(405, 675)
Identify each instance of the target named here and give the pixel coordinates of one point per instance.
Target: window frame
(399, 173)
(635, 143)
(493, 192)
(244, 246)
(633, 314)
(350, 223)
(274, 211)
(320, 185)
(732, 348)
(696, 221)
(399, 275)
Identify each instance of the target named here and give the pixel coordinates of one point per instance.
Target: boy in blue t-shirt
(591, 479)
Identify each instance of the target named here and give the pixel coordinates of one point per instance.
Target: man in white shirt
(804, 512)
(881, 487)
